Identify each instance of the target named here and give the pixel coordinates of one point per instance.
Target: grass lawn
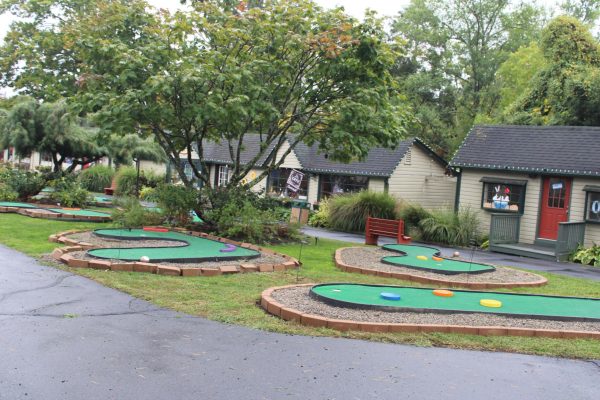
(233, 298)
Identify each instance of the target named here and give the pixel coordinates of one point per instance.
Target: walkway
(65, 337)
(563, 268)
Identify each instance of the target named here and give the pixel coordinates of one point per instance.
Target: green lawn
(233, 298)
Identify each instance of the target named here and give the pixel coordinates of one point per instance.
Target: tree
(287, 71)
(567, 90)
(49, 128)
(35, 58)
(586, 11)
(455, 48)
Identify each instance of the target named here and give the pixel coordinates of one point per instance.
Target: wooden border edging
(437, 281)
(289, 314)
(62, 254)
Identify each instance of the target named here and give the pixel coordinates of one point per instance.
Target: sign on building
(295, 180)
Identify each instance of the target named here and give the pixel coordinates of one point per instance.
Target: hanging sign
(295, 180)
(557, 186)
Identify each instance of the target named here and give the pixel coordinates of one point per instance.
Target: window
(592, 203)
(556, 193)
(278, 184)
(223, 175)
(338, 184)
(503, 195)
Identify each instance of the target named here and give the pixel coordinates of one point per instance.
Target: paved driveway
(65, 337)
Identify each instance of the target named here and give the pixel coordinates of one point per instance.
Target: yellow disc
(422, 258)
(490, 303)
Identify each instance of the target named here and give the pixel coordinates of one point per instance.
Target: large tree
(49, 128)
(567, 90)
(455, 49)
(288, 71)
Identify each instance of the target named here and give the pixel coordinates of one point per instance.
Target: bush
(148, 193)
(588, 256)
(6, 193)
(96, 178)
(22, 183)
(320, 218)
(68, 192)
(126, 178)
(444, 226)
(249, 224)
(412, 214)
(130, 214)
(348, 213)
(176, 202)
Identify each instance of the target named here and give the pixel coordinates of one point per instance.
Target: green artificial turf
(195, 249)
(16, 204)
(411, 252)
(423, 298)
(81, 213)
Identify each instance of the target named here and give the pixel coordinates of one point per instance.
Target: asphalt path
(65, 337)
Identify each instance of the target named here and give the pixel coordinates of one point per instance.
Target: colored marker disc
(490, 303)
(443, 293)
(434, 258)
(228, 248)
(422, 258)
(390, 296)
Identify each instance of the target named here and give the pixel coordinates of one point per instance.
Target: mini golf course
(32, 210)
(428, 259)
(398, 298)
(193, 249)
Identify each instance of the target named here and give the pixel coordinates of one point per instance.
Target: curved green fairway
(422, 299)
(446, 266)
(80, 213)
(16, 204)
(193, 249)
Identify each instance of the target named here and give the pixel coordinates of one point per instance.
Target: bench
(385, 227)
(111, 190)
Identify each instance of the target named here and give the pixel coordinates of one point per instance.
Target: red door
(555, 206)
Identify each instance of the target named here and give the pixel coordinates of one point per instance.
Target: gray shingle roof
(380, 161)
(564, 150)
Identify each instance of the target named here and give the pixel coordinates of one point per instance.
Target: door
(555, 206)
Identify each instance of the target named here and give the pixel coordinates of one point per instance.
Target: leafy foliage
(19, 184)
(588, 256)
(68, 192)
(130, 214)
(320, 218)
(127, 177)
(348, 213)
(176, 202)
(96, 178)
(447, 227)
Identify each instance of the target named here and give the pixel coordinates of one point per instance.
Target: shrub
(96, 178)
(320, 218)
(68, 192)
(349, 213)
(126, 178)
(248, 223)
(588, 256)
(148, 193)
(130, 214)
(6, 193)
(22, 183)
(447, 227)
(412, 214)
(176, 202)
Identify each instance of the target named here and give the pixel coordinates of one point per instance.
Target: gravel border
(298, 299)
(366, 259)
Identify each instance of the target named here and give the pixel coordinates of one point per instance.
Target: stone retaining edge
(35, 213)
(288, 314)
(62, 254)
(438, 281)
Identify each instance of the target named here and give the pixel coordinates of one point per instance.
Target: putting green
(463, 301)
(420, 257)
(194, 249)
(81, 213)
(16, 204)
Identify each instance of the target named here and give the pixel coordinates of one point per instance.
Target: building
(537, 188)
(412, 171)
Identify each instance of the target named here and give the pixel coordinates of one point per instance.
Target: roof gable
(567, 150)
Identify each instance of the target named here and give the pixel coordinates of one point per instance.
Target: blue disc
(390, 296)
